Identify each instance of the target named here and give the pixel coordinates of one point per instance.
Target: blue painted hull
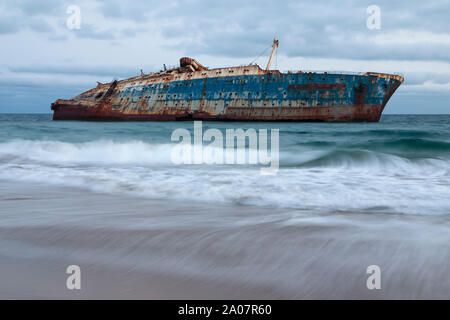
(234, 94)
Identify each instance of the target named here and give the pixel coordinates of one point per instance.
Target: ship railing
(355, 73)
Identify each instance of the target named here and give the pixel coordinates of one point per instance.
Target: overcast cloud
(42, 60)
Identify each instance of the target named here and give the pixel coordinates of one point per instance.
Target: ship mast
(274, 48)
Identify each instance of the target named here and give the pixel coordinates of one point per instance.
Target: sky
(44, 56)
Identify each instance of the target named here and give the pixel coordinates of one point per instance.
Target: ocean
(107, 196)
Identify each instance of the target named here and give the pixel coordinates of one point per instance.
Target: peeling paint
(246, 93)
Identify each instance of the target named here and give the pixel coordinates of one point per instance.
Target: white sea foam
(325, 180)
(94, 152)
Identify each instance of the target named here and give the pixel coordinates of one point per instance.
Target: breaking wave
(93, 152)
(140, 153)
(310, 178)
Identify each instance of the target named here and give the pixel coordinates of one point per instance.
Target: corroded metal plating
(246, 93)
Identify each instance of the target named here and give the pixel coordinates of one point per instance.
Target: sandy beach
(137, 248)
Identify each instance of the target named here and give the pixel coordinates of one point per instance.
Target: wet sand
(135, 248)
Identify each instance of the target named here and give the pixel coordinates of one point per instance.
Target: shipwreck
(245, 93)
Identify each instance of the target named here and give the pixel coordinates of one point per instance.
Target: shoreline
(134, 248)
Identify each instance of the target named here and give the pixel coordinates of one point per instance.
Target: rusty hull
(247, 93)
